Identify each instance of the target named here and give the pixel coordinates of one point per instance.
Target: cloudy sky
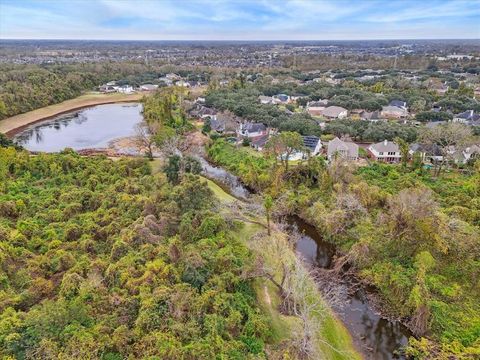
(239, 19)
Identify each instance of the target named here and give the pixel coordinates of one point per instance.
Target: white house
(344, 149)
(386, 151)
(125, 89)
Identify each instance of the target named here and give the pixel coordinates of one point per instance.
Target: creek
(376, 336)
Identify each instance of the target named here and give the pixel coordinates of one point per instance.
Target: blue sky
(239, 19)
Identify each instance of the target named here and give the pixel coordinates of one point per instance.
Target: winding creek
(376, 336)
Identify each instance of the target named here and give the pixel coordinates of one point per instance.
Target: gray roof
(336, 145)
(398, 103)
(467, 115)
(333, 111)
(217, 125)
(254, 127)
(386, 146)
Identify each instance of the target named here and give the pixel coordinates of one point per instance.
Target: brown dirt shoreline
(15, 124)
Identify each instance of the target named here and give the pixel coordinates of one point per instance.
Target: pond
(90, 128)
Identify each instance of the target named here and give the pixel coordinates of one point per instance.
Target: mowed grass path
(10, 125)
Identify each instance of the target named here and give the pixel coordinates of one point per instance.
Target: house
(281, 99)
(466, 117)
(441, 89)
(265, 99)
(148, 87)
(183, 83)
(344, 149)
(166, 81)
(173, 77)
(200, 100)
(373, 116)
(251, 130)
(398, 103)
(431, 153)
(391, 111)
(315, 108)
(217, 125)
(125, 89)
(259, 142)
(386, 151)
(313, 144)
(204, 112)
(335, 112)
(108, 88)
(469, 153)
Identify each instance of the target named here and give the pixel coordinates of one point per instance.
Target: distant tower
(395, 63)
(294, 61)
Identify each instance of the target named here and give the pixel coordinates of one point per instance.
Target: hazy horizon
(217, 20)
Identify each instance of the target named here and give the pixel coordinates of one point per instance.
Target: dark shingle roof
(310, 142)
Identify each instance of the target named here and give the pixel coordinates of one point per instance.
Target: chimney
(385, 142)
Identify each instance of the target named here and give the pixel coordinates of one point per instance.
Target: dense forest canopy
(102, 259)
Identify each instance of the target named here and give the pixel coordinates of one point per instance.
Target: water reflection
(380, 337)
(234, 185)
(93, 127)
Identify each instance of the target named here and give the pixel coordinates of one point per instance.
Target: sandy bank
(15, 124)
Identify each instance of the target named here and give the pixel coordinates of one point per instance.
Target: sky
(239, 19)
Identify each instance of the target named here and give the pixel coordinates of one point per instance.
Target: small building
(251, 130)
(217, 125)
(385, 151)
(148, 87)
(204, 112)
(258, 143)
(466, 117)
(469, 153)
(335, 112)
(345, 149)
(313, 144)
(398, 103)
(372, 116)
(393, 112)
(125, 89)
(281, 99)
(265, 99)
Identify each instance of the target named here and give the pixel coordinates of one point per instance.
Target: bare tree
(144, 138)
(448, 138)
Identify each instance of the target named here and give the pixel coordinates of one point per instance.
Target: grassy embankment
(12, 124)
(333, 340)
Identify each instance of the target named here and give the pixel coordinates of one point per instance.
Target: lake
(90, 128)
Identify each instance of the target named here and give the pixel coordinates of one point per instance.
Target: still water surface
(90, 128)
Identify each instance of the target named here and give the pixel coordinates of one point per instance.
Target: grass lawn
(9, 125)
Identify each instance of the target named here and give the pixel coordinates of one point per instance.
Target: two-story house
(386, 151)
